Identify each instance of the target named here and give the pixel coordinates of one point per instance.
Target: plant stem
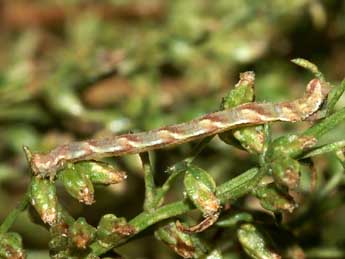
(161, 192)
(12, 216)
(325, 252)
(231, 190)
(181, 166)
(240, 185)
(325, 149)
(336, 93)
(326, 124)
(332, 183)
(150, 189)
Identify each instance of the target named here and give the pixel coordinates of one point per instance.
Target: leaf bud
(182, 243)
(11, 246)
(43, 199)
(200, 188)
(255, 244)
(81, 234)
(77, 184)
(100, 172)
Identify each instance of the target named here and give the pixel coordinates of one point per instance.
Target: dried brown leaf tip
(182, 243)
(203, 225)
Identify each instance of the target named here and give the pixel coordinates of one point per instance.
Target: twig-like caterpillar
(210, 124)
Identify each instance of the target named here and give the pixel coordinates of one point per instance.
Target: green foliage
(88, 69)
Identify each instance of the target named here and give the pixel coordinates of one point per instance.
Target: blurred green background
(76, 69)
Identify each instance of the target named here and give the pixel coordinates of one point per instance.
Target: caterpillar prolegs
(46, 164)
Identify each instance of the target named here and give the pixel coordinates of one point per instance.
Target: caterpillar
(47, 164)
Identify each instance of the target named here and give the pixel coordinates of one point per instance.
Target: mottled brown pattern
(214, 117)
(259, 109)
(209, 124)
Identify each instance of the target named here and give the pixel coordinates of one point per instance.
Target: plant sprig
(278, 160)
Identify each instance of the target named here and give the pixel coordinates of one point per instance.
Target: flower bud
(100, 172)
(286, 171)
(111, 228)
(254, 243)
(58, 244)
(291, 145)
(81, 234)
(11, 246)
(183, 244)
(242, 93)
(77, 184)
(200, 188)
(274, 200)
(250, 138)
(215, 254)
(44, 199)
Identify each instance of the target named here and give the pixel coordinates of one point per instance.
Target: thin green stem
(150, 189)
(182, 165)
(326, 124)
(231, 190)
(267, 141)
(309, 66)
(325, 253)
(332, 183)
(335, 95)
(161, 192)
(240, 185)
(341, 156)
(178, 168)
(12, 216)
(325, 149)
